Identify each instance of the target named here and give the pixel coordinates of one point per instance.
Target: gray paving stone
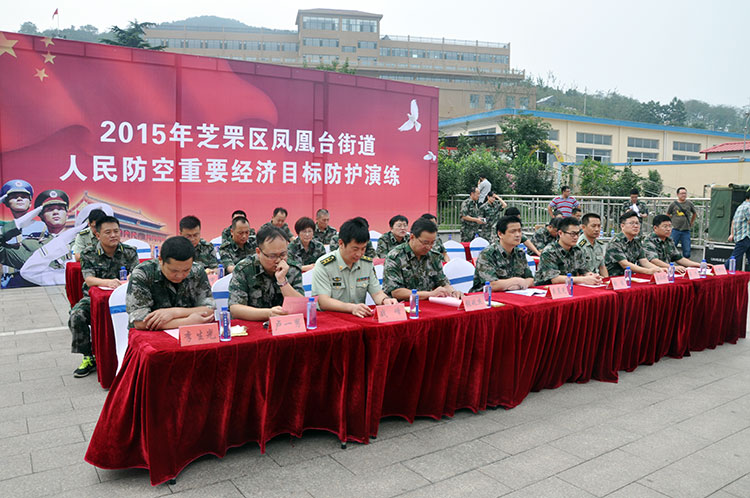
(524, 437)
(35, 409)
(65, 419)
(594, 441)
(581, 417)
(389, 481)
(536, 464)
(693, 476)
(472, 484)
(10, 428)
(666, 446)
(460, 430)
(59, 456)
(454, 460)
(551, 487)
(288, 450)
(635, 490)
(40, 440)
(14, 466)
(292, 480)
(396, 426)
(740, 487)
(607, 473)
(717, 423)
(732, 452)
(133, 486)
(51, 483)
(224, 489)
(378, 454)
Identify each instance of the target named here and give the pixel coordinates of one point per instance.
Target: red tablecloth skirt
(73, 282)
(103, 336)
(720, 310)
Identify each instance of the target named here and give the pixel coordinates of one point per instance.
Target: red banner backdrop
(160, 135)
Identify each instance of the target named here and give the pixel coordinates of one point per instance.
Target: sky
(646, 49)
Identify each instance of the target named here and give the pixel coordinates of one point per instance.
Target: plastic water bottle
(123, 273)
(226, 334)
(450, 236)
(156, 252)
(312, 314)
(488, 294)
(414, 304)
(220, 270)
(704, 268)
(524, 248)
(670, 273)
(601, 233)
(612, 233)
(569, 283)
(629, 276)
(732, 265)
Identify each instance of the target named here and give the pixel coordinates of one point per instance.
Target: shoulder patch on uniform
(366, 258)
(330, 259)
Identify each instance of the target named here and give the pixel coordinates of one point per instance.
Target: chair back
(477, 245)
(532, 264)
(455, 250)
(220, 291)
(378, 273)
(119, 321)
(216, 241)
(307, 283)
(374, 238)
(460, 273)
(143, 248)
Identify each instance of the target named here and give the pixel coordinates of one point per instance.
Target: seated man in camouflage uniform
(279, 220)
(503, 264)
(577, 213)
(226, 234)
(414, 266)
(591, 246)
(87, 236)
(205, 254)
(396, 236)
(491, 211)
(169, 292)
(635, 205)
(471, 218)
(563, 256)
(260, 282)
(323, 231)
(100, 265)
(369, 249)
(439, 247)
(305, 250)
(239, 247)
(546, 235)
(514, 211)
(660, 249)
(343, 278)
(625, 249)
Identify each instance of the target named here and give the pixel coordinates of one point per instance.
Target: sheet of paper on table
(529, 292)
(640, 280)
(447, 301)
(593, 286)
(174, 333)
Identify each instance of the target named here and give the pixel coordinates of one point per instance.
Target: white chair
(216, 241)
(460, 273)
(532, 264)
(455, 250)
(143, 248)
(307, 283)
(379, 274)
(374, 238)
(119, 321)
(477, 245)
(220, 291)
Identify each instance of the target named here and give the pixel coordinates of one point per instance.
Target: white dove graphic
(413, 116)
(430, 156)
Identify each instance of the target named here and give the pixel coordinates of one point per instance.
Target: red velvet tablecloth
(720, 310)
(73, 282)
(170, 405)
(103, 336)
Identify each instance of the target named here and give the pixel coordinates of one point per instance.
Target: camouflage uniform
(252, 286)
(299, 256)
(495, 264)
(556, 261)
(492, 213)
(226, 234)
(664, 250)
(369, 251)
(404, 270)
(469, 228)
(205, 254)
(439, 248)
(324, 236)
(284, 228)
(231, 254)
(150, 290)
(593, 254)
(542, 238)
(96, 263)
(332, 277)
(84, 239)
(620, 248)
(642, 209)
(387, 242)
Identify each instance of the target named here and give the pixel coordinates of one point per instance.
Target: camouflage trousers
(489, 235)
(78, 323)
(468, 231)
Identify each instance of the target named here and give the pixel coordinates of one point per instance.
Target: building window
(510, 101)
(320, 42)
(643, 143)
(348, 48)
(174, 43)
(419, 54)
(394, 52)
(367, 44)
(324, 23)
(254, 45)
(601, 155)
(642, 157)
(682, 157)
(272, 46)
(360, 25)
(523, 102)
(234, 45)
(489, 102)
(686, 146)
(474, 101)
(593, 138)
(484, 131)
(367, 61)
(553, 135)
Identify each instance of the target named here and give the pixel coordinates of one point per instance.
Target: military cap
(17, 186)
(53, 196)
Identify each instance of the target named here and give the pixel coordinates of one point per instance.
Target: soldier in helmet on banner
(16, 195)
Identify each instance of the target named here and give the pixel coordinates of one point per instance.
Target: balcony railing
(445, 41)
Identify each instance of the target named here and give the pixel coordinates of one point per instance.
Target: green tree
(676, 113)
(524, 131)
(596, 178)
(626, 180)
(29, 28)
(449, 176)
(132, 36)
(653, 186)
(530, 176)
(336, 68)
(484, 162)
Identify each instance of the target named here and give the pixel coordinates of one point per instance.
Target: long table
(73, 282)
(103, 336)
(170, 405)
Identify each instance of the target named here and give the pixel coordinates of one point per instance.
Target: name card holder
(558, 291)
(388, 313)
(661, 278)
(474, 302)
(720, 270)
(693, 274)
(203, 333)
(617, 283)
(294, 305)
(287, 324)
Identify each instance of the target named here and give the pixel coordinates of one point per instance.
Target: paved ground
(679, 428)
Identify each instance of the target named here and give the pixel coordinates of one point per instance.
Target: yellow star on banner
(41, 74)
(6, 46)
(49, 58)
(47, 41)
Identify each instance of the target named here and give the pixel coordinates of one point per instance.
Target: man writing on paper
(343, 278)
(239, 247)
(591, 246)
(503, 263)
(260, 283)
(171, 291)
(660, 249)
(414, 266)
(205, 253)
(625, 249)
(100, 265)
(564, 256)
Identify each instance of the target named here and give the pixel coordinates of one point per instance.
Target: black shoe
(88, 365)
